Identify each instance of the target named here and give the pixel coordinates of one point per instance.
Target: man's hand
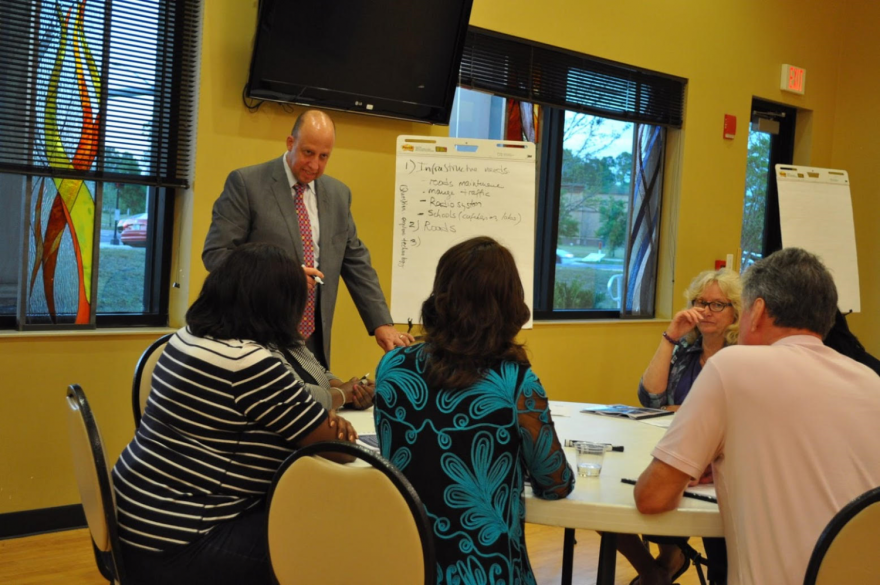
(311, 273)
(388, 337)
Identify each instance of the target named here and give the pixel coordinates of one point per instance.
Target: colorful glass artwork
(644, 232)
(63, 209)
(522, 121)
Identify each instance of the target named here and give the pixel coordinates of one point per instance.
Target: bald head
(314, 119)
(309, 145)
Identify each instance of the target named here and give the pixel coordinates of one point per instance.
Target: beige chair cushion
(332, 523)
(854, 555)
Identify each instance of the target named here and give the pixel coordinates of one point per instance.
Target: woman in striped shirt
(222, 416)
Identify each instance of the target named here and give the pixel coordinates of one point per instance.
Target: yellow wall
(729, 50)
(35, 463)
(856, 148)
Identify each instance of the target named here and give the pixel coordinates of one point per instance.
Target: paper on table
(624, 411)
(368, 441)
(559, 410)
(662, 422)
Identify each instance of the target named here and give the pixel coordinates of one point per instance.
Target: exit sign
(793, 79)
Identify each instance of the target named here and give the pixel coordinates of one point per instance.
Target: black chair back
(143, 373)
(846, 551)
(95, 484)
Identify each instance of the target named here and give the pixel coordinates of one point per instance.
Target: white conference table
(603, 503)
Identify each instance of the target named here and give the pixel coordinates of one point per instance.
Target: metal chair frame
(109, 562)
(139, 374)
(835, 526)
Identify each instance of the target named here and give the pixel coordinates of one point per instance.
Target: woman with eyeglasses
(708, 324)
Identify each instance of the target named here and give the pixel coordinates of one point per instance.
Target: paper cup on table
(589, 458)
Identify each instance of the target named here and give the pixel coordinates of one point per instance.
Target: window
(601, 131)
(755, 200)
(96, 104)
(771, 142)
(594, 192)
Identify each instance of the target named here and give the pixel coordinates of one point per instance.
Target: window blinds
(521, 69)
(98, 89)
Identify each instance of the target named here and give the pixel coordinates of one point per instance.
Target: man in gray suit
(276, 203)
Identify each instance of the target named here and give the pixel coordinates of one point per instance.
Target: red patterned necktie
(307, 325)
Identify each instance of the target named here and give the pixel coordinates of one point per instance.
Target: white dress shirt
(310, 199)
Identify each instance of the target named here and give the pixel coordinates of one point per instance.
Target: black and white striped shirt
(221, 418)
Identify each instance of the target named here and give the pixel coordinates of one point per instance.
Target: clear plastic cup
(589, 458)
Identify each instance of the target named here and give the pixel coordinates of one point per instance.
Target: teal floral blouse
(467, 453)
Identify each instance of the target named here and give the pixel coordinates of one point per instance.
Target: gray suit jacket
(257, 206)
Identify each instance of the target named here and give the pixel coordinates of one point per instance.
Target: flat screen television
(393, 58)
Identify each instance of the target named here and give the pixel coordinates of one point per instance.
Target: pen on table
(686, 494)
(608, 446)
(315, 278)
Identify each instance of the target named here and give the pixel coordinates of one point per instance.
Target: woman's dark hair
(843, 340)
(474, 312)
(257, 293)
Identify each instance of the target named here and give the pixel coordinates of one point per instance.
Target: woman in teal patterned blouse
(466, 420)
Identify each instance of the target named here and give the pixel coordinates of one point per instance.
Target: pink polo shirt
(792, 432)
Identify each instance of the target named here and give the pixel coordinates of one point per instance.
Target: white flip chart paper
(449, 190)
(815, 212)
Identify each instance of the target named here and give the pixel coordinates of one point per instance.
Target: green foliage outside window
(612, 230)
(755, 202)
(573, 294)
(568, 226)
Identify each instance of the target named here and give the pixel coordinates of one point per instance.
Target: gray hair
(797, 289)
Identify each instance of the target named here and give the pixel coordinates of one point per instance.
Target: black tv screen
(394, 58)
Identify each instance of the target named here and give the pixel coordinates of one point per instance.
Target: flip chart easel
(815, 213)
(449, 190)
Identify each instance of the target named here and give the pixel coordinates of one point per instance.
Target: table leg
(567, 556)
(607, 559)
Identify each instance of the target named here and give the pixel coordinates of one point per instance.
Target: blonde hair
(731, 285)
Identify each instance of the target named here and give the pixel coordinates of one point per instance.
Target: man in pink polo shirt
(788, 425)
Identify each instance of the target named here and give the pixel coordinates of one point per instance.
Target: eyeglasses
(714, 306)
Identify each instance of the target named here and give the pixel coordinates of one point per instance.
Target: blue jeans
(233, 553)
